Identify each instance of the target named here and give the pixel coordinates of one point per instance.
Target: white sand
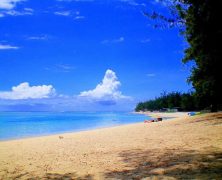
(185, 147)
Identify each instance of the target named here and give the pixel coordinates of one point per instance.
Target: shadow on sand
(157, 163)
(54, 176)
(169, 165)
(152, 164)
(67, 176)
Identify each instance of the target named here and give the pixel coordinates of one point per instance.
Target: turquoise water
(14, 125)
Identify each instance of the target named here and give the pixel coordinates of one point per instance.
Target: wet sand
(180, 148)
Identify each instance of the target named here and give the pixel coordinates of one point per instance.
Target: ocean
(16, 125)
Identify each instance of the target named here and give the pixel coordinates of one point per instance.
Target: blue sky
(85, 55)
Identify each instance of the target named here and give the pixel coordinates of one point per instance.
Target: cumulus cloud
(7, 46)
(107, 90)
(25, 91)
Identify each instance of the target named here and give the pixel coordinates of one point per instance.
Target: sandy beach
(181, 148)
(164, 114)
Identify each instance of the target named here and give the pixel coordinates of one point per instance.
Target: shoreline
(165, 116)
(181, 148)
(107, 123)
(70, 132)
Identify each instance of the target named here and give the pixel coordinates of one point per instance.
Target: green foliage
(183, 101)
(200, 23)
(203, 32)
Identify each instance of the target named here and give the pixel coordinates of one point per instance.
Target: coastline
(168, 116)
(45, 124)
(70, 132)
(164, 114)
(170, 149)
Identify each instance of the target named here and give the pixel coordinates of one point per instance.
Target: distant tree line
(182, 101)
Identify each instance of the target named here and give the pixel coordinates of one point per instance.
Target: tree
(202, 28)
(203, 33)
(188, 102)
(183, 101)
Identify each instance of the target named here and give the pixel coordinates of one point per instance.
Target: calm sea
(14, 125)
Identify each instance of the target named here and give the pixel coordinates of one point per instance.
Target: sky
(86, 55)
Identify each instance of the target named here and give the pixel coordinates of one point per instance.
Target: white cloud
(6, 46)
(79, 17)
(28, 9)
(163, 3)
(63, 13)
(8, 7)
(119, 40)
(76, 15)
(9, 4)
(64, 67)
(61, 68)
(41, 37)
(107, 90)
(18, 13)
(133, 3)
(25, 91)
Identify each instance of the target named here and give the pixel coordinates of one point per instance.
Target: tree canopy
(183, 101)
(202, 28)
